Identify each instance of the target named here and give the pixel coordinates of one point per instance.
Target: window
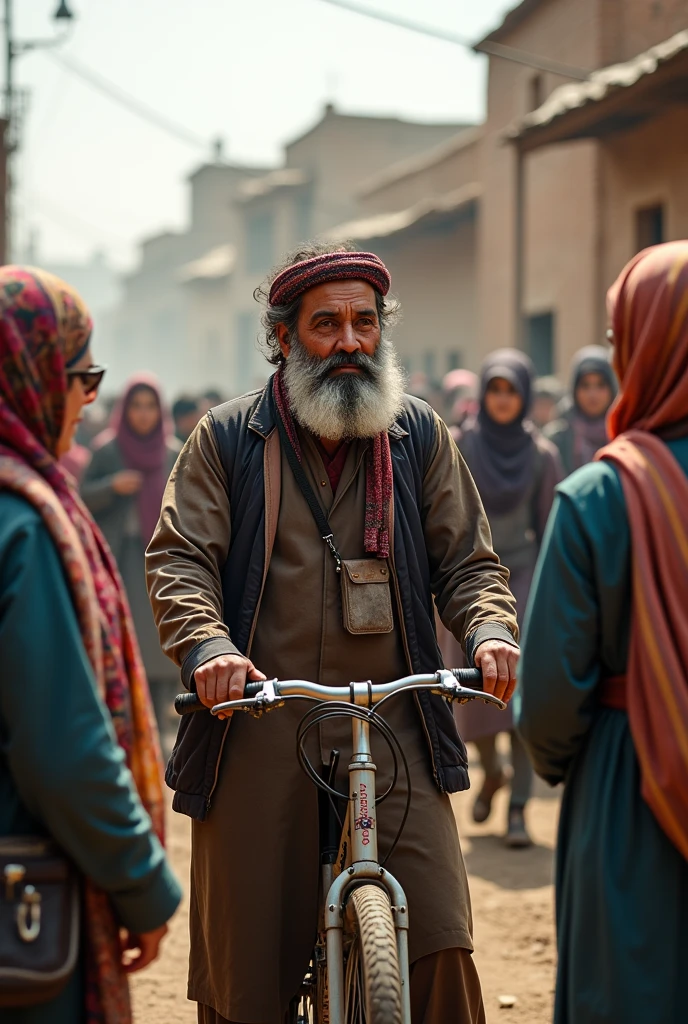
(246, 332)
(540, 342)
(260, 242)
(454, 360)
(536, 92)
(649, 226)
(303, 208)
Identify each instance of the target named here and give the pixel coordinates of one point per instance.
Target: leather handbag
(39, 920)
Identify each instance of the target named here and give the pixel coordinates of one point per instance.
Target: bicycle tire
(381, 976)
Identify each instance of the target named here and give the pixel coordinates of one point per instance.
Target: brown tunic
(255, 870)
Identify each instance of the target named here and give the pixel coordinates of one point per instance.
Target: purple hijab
(147, 454)
(501, 456)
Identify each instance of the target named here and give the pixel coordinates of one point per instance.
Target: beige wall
(641, 168)
(443, 169)
(567, 31)
(433, 276)
(631, 26)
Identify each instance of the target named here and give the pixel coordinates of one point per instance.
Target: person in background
(516, 470)
(547, 396)
(459, 394)
(123, 488)
(79, 755)
(76, 460)
(186, 413)
(605, 673)
(209, 400)
(581, 431)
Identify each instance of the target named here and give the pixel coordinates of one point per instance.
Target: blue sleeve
(559, 666)
(58, 741)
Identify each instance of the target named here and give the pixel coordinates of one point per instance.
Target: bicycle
(359, 971)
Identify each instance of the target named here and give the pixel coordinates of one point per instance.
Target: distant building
(187, 311)
(99, 285)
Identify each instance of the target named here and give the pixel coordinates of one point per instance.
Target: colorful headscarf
(648, 306)
(45, 327)
(148, 455)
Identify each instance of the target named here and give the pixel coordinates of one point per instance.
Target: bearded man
(243, 586)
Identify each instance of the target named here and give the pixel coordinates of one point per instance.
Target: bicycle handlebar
(262, 696)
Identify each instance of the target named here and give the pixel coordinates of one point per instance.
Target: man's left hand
(497, 661)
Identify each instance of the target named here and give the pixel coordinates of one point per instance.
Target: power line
(491, 48)
(129, 102)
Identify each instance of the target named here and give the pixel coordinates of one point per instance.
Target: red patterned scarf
(44, 325)
(649, 310)
(379, 479)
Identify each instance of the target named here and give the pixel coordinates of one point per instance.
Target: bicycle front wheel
(377, 970)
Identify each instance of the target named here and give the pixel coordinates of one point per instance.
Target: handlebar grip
(188, 703)
(471, 677)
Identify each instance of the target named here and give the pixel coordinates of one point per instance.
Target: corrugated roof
(214, 265)
(601, 84)
(383, 225)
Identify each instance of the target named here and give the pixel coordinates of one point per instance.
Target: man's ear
(282, 333)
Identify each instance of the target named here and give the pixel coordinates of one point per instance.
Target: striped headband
(331, 266)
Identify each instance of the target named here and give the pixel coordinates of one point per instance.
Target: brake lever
(267, 700)
(462, 694)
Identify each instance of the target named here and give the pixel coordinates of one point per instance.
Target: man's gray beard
(347, 405)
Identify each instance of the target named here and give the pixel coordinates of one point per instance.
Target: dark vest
(241, 438)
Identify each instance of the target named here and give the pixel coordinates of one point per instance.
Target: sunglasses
(90, 378)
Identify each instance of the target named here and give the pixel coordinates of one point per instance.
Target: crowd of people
(513, 504)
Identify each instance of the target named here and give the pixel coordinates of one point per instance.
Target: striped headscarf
(45, 327)
(648, 305)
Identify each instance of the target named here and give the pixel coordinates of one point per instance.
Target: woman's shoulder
(592, 486)
(17, 515)
(545, 446)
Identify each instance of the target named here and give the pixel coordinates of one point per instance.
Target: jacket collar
(262, 419)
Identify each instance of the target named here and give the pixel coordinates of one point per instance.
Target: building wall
(631, 26)
(560, 202)
(443, 169)
(631, 181)
(434, 278)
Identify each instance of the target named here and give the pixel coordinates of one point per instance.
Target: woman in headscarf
(79, 756)
(515, 470)
(581, 430)
(123, 487)
(605, 673)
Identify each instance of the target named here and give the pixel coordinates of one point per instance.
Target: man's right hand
(224, 679)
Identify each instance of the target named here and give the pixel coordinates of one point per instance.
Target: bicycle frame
(364, 867)
(361, 813)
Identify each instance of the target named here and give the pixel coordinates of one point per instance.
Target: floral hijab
(44, 328)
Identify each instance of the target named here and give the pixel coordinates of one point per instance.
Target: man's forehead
(334, 294)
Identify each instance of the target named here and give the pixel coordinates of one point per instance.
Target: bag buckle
(329, 540)
(14, 874)
(29, 915)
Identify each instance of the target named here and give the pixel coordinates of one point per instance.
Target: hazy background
(92, 175)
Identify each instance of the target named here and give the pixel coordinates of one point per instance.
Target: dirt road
(512, 912)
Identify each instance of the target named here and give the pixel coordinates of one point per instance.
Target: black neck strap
(307, 491)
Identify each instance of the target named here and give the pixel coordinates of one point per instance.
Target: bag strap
(307, 491)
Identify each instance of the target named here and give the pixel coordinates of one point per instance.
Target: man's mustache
(347, 359)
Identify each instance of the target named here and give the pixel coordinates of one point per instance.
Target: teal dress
(61, 771)
(621, 885)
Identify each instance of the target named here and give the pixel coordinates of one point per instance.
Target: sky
(92, 176)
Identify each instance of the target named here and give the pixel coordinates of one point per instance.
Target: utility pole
(9, 140)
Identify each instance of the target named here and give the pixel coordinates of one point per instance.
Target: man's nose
(347, 341)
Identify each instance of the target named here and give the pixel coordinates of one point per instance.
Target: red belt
(612, 693)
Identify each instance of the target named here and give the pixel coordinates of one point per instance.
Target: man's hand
(140, 950)
(223, 679)
(498, 661)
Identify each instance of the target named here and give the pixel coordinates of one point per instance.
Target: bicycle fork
(364, 867)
